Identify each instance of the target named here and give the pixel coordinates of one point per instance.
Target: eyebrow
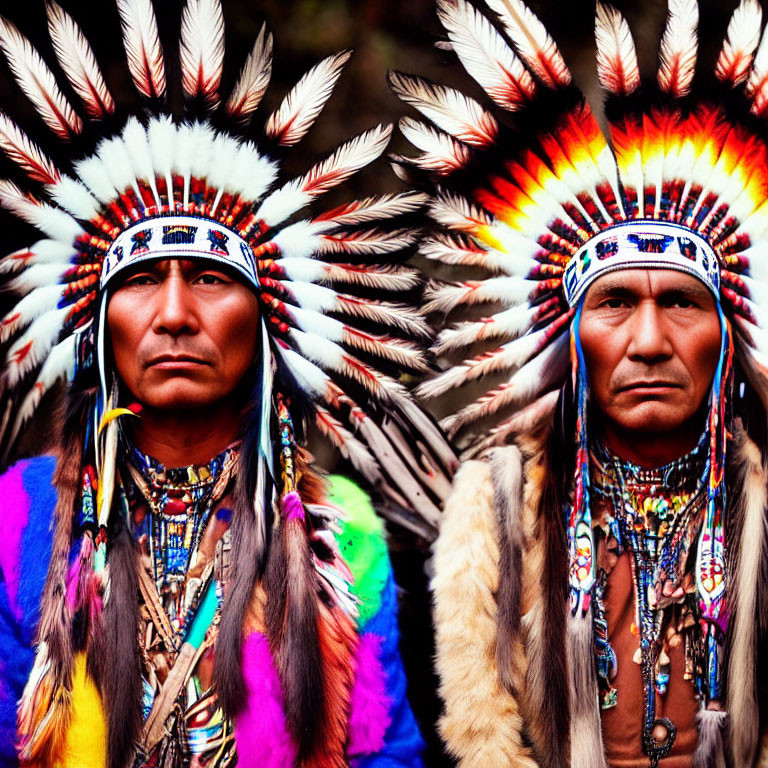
(621, 290)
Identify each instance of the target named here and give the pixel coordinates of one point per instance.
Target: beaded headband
(641, 245)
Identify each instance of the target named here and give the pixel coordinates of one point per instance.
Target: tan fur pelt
(481, 724)
(488, 708)
(742, 702)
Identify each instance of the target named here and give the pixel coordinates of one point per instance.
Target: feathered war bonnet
(532, 198)
(335, 334)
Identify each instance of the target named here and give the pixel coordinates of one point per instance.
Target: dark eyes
(679, 302)
(204, 278)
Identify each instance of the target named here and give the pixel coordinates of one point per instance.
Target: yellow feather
(85, 745)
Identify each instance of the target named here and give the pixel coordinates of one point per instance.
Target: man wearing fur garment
(181, 586)
(600, 593)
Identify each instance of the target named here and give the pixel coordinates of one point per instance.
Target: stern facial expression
(651, 340)
(183, 333)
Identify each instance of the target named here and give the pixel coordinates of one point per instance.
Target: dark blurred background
(385, 34)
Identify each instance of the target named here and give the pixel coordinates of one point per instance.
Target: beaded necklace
(179, 501)
(655, 516)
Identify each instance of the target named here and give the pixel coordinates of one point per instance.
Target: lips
(649, 385)
(171, 360)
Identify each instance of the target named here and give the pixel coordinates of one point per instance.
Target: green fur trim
(362, 544)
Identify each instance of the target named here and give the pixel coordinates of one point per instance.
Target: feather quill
(741, 41)
(616, 56)
(78, 62)
(442, 153)
(348, 445)
(346, 160)
(447, 108)
(526, 385)
(38, 83)
(679, 46)
(27, 155)
(59, 363)
(142, 47)
(757, 85)
(485, 54)
(254, 79)
(534, 44)
(202, 50)
(304, 102)
(374, 208)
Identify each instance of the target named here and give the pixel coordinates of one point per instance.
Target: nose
(649, 340)
(175, 310)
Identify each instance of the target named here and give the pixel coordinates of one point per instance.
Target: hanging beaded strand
(710, 558)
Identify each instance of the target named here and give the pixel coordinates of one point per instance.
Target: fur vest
(518, 688)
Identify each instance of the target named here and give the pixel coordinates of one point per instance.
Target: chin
(182, 396)
(654, 418)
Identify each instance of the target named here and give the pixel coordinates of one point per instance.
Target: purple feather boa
(261, 732)
(370, 706)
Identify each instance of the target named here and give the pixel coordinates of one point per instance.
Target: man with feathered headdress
(179, 586)
(600, 575)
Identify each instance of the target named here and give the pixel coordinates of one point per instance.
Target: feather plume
(74, 197)
(507, 324)
(332, 357)
(757, 85)
(254, 79)
(679, 46)
(367, 242)
(448, 250)
(402, 316)
(442, 153)
(534, 44)
(202, 49)
(541, 374)
(520, 423)
(78, 62)
(511, 291)
(346, 160)
(374, 208)
(17, 202)
(36, 303)
(402, 352)
(30, 349)
(740, 44)
(41, 252)
(456, 212)
(38, 83)
(485, 55)
(27, 155)
(616, 56)
(60, 363)
(53, 222)
(387, 278)
(142, 47)
(304, 102)
(447, 108)
(512, 355)
(347, 444)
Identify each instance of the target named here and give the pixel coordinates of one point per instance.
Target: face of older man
(183, 333)
(651, 341)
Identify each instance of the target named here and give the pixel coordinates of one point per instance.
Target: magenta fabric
(370, 713)
(13, 521)
(261, 733)
(293, 509)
